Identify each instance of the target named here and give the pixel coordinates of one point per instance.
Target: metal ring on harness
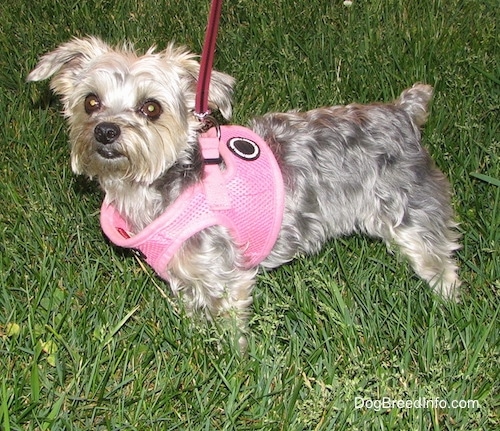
(208, 121)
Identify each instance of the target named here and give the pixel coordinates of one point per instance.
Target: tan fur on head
(123, 81)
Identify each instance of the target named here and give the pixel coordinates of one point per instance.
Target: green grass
(88, 342)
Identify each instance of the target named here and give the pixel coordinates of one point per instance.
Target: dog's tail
(415, 102)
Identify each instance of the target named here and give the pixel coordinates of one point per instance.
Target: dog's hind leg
(430, 248)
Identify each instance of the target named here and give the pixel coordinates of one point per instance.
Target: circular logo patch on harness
(244, 148)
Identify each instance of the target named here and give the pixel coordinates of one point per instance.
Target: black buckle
(216, 161)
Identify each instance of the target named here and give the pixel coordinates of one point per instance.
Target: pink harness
(247, 198)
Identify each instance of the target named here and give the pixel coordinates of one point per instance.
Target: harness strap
(213, 180)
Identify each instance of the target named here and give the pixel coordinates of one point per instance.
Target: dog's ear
(66, 61)
(221, 85)
(220, 95)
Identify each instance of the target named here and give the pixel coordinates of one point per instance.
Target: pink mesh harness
(247, 198)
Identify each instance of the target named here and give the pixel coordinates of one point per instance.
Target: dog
(343, 169)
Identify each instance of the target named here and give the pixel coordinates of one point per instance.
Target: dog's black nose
(106, 133)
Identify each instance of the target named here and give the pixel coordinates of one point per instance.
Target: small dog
(345, 169)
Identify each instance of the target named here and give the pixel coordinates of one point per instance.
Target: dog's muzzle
(106, 134)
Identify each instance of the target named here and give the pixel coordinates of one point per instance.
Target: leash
(201, 110)
(216, 192)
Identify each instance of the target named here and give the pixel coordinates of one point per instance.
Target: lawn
(348, 339)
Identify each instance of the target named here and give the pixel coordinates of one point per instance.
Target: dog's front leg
(209, 273)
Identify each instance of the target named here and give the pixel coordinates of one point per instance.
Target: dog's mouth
(109, 153)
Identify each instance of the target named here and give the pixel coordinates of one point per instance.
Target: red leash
(207, 59)
(216, 191)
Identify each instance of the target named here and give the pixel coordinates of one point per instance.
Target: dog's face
(130, 116)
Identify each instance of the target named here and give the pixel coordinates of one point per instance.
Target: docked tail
(415, 101)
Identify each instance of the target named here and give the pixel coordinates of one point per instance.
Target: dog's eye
(151, 109)
(92, 104)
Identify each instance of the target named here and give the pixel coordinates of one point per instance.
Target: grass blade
(486, 178)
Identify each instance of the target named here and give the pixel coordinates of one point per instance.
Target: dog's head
(130, 115)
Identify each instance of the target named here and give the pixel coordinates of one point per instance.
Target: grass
(88, 342)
